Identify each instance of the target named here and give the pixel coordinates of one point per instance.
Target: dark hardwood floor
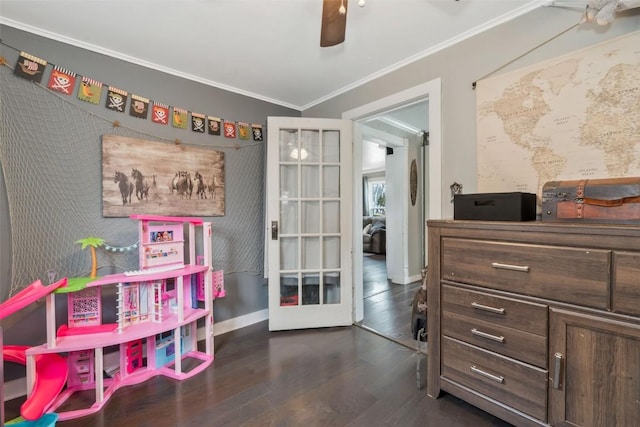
(321, 377)
(318, 377)
(387, 306)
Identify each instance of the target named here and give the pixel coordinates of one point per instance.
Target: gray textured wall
(529, 39)
(78, 129)
(5, 232)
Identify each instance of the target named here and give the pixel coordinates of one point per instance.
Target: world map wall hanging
(572, 117)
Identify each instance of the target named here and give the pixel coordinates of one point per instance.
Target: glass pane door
(307, 157)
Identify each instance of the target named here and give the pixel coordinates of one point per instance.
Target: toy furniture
(158, 309)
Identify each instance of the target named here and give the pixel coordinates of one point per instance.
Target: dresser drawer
(625, 292)
(516, 314)
(513, 383)
(507, 341)
(573, 275)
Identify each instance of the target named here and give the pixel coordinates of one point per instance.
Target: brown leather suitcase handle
(615, 202)
(572, 210)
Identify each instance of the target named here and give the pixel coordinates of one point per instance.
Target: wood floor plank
(344, 376)
(387, 306)
(323, 377)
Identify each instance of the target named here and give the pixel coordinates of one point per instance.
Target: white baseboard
(225, 326)
(14, 389)
(406, 280)
(415, 278)
(18, 388)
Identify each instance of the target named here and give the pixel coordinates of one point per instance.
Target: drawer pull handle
(496, 378)
(491, 337)
(523, 268)
(556, 370)
(487, 308)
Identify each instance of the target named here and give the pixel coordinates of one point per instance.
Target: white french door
(309, 205)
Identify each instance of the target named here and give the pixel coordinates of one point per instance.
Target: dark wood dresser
(536, 323)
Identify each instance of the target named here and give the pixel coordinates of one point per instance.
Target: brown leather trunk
(611, 200)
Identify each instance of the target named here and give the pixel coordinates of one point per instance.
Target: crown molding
(535, 4)
(137, 61)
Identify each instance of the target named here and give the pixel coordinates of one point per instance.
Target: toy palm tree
(93, 243)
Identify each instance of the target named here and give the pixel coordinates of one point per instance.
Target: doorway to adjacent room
(389, 140)
(392, 130)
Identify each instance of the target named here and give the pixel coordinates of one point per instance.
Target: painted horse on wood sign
(126, 187)
(142, 184)
(201, 188)
(182, 184)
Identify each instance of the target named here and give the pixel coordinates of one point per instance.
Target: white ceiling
(266, 49)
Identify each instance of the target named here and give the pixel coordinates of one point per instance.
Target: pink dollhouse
(158, 308)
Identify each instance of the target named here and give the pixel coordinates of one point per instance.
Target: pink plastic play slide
(27, 296)
(51, 369)
(51, 376)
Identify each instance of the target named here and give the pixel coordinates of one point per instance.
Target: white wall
(404, 220)
(396, 211)
(415, 226)
(373, 158)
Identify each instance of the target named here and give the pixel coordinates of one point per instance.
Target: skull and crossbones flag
(62, 80)
(160, 113)
(243, 130)
(179, 118)
(256, 130)
(214, 125)
(116, 99)
(90, 90)
(30, 67)
(139, 106)
(229, 129)
(198, 123)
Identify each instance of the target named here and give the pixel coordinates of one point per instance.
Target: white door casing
(433, 206)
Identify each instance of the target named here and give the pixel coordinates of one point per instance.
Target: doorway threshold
(419, 345)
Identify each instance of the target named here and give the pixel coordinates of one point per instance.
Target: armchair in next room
(374, 234)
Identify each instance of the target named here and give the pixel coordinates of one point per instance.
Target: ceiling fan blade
(334, 24)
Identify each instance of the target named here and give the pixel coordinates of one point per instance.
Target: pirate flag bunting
(198, 122)
(30, 67)
(229, 129)
(160, 113)
(90, 90)
(139, 107)
(256, 130)
(214, 125)
(62, 80)
(243, 130)
(179, 118)
(116, 99)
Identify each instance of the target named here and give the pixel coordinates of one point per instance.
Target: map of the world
(573, 117)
